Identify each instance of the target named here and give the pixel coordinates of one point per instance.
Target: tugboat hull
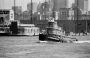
(44, 37)
(55, 33)
(56, 38)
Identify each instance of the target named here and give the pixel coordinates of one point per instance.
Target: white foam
(82, 42)
(20, 53)
(43, 41)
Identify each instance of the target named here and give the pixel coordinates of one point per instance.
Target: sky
(7, 4)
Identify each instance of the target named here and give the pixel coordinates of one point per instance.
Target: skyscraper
(17, 9)
(34, 6)
(17, 12)
(82, 4)
(57, 4)
(43, 9)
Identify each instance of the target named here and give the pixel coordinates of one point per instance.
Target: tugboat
(55, 33)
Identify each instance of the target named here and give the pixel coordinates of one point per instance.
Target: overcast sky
(6, 4)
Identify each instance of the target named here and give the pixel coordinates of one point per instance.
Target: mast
(14, 4)
(49, 8)
(77, 16)
(66, 4)
(31, 11)
(86, 20)
(86, 24)
(45, 9)
(53, 10)
(14, 8)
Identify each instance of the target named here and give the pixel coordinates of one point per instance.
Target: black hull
(58, 38)
(43, 37)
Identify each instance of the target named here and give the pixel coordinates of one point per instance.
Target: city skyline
(7, 4)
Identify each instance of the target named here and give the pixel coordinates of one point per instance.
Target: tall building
(34, 6)
(82, 4)
(26, 15)
(57, 4)
(38, 7)
(17, 12)
(66, 14)
(17, 9)
(43, 9)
